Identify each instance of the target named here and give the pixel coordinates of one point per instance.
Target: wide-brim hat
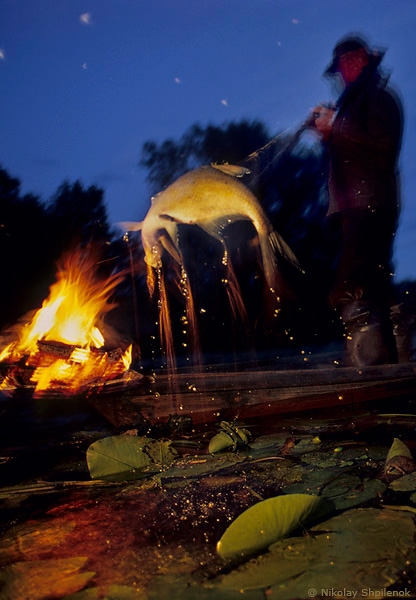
(350, 43)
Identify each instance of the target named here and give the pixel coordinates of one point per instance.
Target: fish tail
(269, 246)
(269, 261)
(130, 225)
(150, 280)
(279, 245)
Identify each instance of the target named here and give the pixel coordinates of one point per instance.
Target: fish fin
(170, 247)
(233, 170)
(279, 245)
(130, 225)
(167, 217)
(215, 228)
(168, 235)
(155, 197)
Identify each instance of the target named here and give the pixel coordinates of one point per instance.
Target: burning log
(61, 347)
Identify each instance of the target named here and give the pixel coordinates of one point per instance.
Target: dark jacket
(364, 146)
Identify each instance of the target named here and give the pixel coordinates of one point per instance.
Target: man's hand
(322, 118)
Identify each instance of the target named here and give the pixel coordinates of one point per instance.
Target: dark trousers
(362, 286)
(363, 266)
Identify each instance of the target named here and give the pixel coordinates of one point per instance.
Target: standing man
(363, 135)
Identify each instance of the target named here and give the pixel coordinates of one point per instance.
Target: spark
(85, 18)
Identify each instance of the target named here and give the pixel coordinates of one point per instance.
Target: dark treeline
(34, 235)
(289, 181)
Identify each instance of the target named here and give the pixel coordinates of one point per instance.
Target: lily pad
(190, 467)
(407, 483)
(399, 460)
(221, 441)
(266, 522)
(361, 548)
(161, 453)
(181, 588)
(29, 541)
(398, 448)
(112, 592)
(40, 579)
(347, 490)
(119, 456)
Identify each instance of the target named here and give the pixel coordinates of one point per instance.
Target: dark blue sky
(84, 83)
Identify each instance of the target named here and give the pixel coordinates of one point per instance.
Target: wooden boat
(214, 396)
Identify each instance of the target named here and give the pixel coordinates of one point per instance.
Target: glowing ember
(62, 344)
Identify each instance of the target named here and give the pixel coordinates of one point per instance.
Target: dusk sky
(84, 83)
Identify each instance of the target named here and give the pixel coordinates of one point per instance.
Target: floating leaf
(94, 593)
(361, 548)
(179, 587)
(30, 540)
(40, 579)
(117, 457)
(221, 441)
(399, 460)
(229, 436)
(161, 452)
(266, 522)
(111, 592)
(347, 490)
(407, 483)
(398, 448)
(190, 467)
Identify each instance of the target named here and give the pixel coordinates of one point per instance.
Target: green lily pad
(361, 548)
(181, 588)
(161, 453)
(190, 467)
(263, 442)
(407, 483)
(347, 491)
(266, 522)
(119, 456)
(221, 441)
(398, 448)
(111, 592)
(88, 594)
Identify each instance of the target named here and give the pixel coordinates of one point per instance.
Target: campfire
(62, 347)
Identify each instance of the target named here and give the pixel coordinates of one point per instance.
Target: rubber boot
(403, 331)
(369, 337)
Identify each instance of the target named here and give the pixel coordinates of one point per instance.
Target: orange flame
(68, 320)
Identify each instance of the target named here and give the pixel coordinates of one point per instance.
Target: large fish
(211, 197)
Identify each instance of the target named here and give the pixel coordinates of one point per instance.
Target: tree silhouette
(230, 143)
(24, 249)
(34, 235)
(77, 215)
